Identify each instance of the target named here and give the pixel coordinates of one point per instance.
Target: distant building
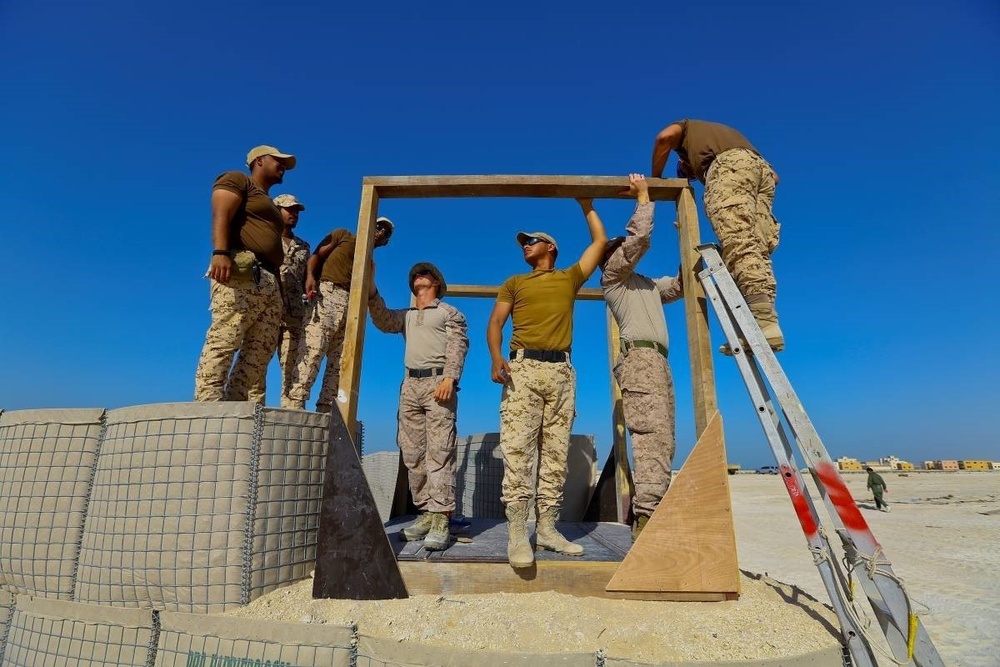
(943, 465)
(847, 464)
(904, 465)
(930, 465)
(995, 465)
(974, 465)
(894, 463)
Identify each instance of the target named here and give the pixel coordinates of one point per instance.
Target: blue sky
(880, 118)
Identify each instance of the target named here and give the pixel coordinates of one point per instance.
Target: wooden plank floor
(476, 563)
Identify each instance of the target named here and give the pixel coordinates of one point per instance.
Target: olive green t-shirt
(542, 308)
(704, 140)
(257, 226)
(339, 263)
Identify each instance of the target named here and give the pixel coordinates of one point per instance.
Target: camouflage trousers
(536, 417)
(648, 403)
(289, 335)
(322, 336)
(739, 194)
(426, 439)
(245, 321)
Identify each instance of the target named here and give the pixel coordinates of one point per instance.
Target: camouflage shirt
(293, 276)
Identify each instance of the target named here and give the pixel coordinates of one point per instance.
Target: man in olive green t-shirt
(539, 394)
(245, 297)
(739, 194)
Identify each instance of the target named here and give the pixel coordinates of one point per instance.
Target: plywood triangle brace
(689, 544)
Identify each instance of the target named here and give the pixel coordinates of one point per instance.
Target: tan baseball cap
(261, 151)
(522, 238)
(387, 223)
(289, 201)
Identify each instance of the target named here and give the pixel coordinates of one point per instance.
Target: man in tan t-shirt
(739, 194)
(539, 395)
(328, 285)
(245, 297)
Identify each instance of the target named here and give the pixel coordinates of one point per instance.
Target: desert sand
(942, 538)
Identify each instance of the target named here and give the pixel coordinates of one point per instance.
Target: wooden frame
(709, 569)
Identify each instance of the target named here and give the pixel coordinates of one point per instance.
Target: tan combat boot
(547, 537)
(418, 529)
(437, 536)
(519, 553)
(767, 320)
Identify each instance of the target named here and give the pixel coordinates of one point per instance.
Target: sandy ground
(942, 537)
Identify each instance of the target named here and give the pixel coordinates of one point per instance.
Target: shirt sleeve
(670, 288)
(506, 291)
(624, 259)
(457, 344)
(233, 181)
(575, 274)
(385, 319)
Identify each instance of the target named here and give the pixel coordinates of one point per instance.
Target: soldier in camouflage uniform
(245, 297)
(739, 194)
(642, 370)
(436, 345)
(539, 385)
(292, 277)
(328, 284)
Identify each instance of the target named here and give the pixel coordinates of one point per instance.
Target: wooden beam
(623, 474)
(696, 313)
(490, 291)
(598, 187)
(357, 309)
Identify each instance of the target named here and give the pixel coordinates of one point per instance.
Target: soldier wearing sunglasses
(539, 384)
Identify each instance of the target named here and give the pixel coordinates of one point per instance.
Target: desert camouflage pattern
(426, 437)
(648, 405)
(245, 322)
(536, 417)
(739, 193)
(323, 336)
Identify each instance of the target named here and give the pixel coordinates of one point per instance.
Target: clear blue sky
(880, 117)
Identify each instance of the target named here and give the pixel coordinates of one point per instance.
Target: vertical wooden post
(696, 313)
(357, 310)
(623, 474)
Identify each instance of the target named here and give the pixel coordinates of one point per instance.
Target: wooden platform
(476, 562)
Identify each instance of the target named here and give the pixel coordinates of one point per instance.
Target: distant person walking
(539, 384)
(643, 372)
(739, 194)
(436, 344)
(245, 296)
(328, 282)
(877, 486)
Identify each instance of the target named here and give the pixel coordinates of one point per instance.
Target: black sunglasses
(532, 240)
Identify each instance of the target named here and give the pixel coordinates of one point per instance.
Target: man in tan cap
(436, 345)
(328, 285)
(539, 394)
(245, 297)
(292, 276)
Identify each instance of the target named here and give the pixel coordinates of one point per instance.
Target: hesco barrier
(56, 633)
(202, 507)
(197, 507)
(47, 458)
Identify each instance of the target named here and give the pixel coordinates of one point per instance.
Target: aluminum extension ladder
(864, 559)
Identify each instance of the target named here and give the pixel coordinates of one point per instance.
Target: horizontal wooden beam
(598, 187)
(490, 291)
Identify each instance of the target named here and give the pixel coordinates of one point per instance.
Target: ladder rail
(885, 591)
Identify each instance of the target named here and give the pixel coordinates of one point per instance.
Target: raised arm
(667, 140)
(592, 256)
(499, 369)
(671, 288)
(624, 259)
(385, 319)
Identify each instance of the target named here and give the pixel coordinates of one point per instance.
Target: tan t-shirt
(339, 263)
(542, 308)
(703, 140)
(257, 226)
